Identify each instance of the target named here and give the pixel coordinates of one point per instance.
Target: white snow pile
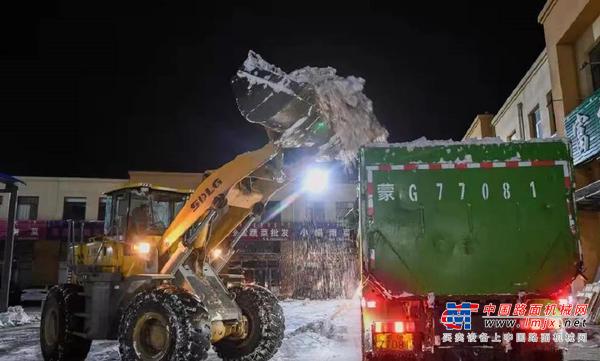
(339, 101)
(321, 331)
(15, 316)
(324, 328)
(423, 142)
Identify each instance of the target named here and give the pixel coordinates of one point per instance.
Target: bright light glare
(142, 247)
(316, 180)
(216, 253)
(398, 327)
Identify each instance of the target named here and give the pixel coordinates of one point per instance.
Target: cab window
(153, 211)
(120, 222)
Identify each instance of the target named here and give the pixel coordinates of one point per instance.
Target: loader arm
(241, 197)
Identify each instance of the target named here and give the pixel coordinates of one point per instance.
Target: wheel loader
(150, 281)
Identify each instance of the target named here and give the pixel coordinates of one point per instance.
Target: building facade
(527, 113)
(61, 198)
(572, 32)
(560, 96)
(309, 224)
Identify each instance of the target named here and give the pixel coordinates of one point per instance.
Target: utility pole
(11, 188)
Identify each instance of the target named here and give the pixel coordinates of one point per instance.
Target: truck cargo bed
(468, 218)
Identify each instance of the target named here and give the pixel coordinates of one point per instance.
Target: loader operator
(141, 220)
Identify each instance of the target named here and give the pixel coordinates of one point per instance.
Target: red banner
(26, 230)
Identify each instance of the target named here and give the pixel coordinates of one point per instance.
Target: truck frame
(449, 228)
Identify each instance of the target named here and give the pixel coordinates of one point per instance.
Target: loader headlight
(141, 248)
(216, 253)
(316, 180)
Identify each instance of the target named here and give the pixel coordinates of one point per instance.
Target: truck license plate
(394, 341)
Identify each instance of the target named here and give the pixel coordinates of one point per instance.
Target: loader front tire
(266, 326)
(59, 325)
(164, 324)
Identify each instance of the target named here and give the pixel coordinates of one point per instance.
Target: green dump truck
(452, 234)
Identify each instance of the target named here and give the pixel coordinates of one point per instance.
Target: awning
(8, 179)
(588, 197)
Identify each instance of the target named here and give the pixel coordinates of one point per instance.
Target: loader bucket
(309, 107)
(288, 108)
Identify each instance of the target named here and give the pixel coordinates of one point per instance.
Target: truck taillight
(404, 326)
(369, 303)
(378, 327)
(565, 301)
(394, 327)
(563, 295)
(398, 326)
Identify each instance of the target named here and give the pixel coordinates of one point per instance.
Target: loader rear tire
(266, 325)
(164, 324)
(59, 323)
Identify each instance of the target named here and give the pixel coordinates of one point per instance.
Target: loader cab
(141, 210)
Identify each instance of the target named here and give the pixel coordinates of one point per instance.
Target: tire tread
(272, 321)
(186, 314)
(71, 347)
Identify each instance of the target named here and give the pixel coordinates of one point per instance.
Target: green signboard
(583, 129)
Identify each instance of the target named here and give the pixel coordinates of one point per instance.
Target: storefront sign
(296, 231)
(265, 232)
(582, 127)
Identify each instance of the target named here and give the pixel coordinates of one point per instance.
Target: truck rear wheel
(164, 324)
(59, 324)
(266, 325)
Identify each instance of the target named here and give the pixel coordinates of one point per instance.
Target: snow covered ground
(315, 331)
(15, 316)
(321, 330)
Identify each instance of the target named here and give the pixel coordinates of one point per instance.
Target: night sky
(90, 89)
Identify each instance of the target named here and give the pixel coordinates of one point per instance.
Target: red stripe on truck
(385, 167)
(542, 163)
